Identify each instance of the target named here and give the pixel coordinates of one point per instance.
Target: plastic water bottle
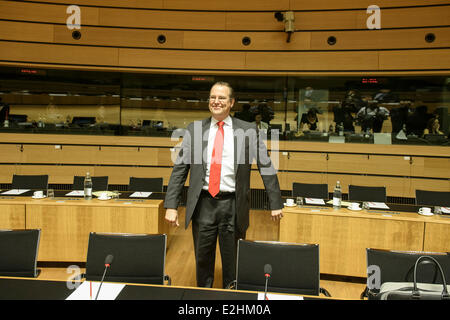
(88, 187)
(337, 196)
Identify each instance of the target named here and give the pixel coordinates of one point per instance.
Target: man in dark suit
(218, 152)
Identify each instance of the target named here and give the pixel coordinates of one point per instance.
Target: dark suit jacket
(247, 147)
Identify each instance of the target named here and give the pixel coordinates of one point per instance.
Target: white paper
(140, 194)
(75, 193)
(314, 201)
(16, 191)
(445, 209)
(279, 296)
(109, 291)
(377, 205)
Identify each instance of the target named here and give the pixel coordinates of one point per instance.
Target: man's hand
(172, 217)
(277, 215)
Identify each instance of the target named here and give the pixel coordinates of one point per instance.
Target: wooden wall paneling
(304, 161)
(41, 12)
(388, 165)
(12, 216)
(348, 163)
(132, 18)
(121, 175)
(6, 172)
(379, 39)
(409, 17)
(256, 181)
(10, 153)
(59, 54)
(428, 184)
(312, 61)
(236, 5)
(55, 154)
(233, 40)
(437, 237)
(22, 31)
(417, 59)
(289, 178)
(57, 174)
(118, 37)
(181, 59)
(430, 167)
(352, 4)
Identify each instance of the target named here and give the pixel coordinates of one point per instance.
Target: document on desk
(277, 296)
(140, 194)
(314, 201)
(16, 191)
(109, 291)
(377, 205)
(445, 209)
(75, 193)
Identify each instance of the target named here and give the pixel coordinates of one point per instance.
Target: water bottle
(88, 187)
(341, 129)
(337, 196)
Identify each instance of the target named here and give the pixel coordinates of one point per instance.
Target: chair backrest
(137, 258)
(310, 190)
(35, 182)
(295, 267)
(18, 252)
(98, 183)
(364, 193)
(146, 184)
(398, 266)
(433, 198)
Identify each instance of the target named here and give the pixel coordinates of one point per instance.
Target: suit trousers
(214, 218)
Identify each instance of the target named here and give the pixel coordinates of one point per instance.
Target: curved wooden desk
(344, 235)
(66, 223)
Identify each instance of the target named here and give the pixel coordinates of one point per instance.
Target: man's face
(220, 103)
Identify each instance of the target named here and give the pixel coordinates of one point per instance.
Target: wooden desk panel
(437, 236)
(66, 226)
(12, 216)
(343, 236)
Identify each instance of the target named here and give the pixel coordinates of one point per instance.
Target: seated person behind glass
(4, 112)
(433, 127)
(372, 117)
(261, 124)
(343, 115)
(308, 122)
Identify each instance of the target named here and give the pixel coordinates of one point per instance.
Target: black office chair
(98, 183)
(145, 184)
(18, 253)
(295, 267)
(310, 190)
(364, 193)
(433, 198)
(137, 258)
(34, 182)
(398, 266)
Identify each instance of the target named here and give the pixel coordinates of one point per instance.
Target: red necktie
(216, 162)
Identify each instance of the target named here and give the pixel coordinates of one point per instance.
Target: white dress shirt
(227, 179)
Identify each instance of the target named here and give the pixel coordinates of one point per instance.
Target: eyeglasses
(220, 98)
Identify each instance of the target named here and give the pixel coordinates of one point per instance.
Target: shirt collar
(227, 121)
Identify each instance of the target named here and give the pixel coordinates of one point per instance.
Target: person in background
(259, 123)
(372, 117)
(308, 122)
(245, 114)
(433, 127)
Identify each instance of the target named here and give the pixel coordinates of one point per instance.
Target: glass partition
(339, 109)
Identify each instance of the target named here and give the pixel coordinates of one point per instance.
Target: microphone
(267, 274)
(108, 260)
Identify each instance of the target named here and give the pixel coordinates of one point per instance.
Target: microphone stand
(107, 265)
(265, 286)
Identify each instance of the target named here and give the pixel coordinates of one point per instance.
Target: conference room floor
(180, 264)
